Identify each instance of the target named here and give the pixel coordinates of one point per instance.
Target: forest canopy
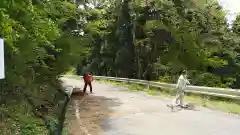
(135, 38)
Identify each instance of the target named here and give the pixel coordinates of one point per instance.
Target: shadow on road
(89, 114)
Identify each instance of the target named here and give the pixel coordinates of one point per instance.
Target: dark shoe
(91, 91)
(183, 106)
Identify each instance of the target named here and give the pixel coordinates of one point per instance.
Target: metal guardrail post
(205, 99)
(128, 81)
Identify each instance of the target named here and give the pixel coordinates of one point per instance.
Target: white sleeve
(187, 81)
(178, 82)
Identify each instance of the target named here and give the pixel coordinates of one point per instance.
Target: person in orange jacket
(88, 78)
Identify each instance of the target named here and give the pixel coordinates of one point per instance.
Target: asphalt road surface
(112, 110)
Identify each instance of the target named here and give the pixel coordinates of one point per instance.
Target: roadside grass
(72, 71)
(222, 104)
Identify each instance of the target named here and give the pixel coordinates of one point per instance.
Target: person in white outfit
(181, 86)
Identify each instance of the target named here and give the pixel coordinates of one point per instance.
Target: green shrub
(166, 79)
(32, 129)
(207, 79)
(40, 47)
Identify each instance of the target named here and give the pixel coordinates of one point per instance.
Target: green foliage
(166, 79)
(168, 35)
(207, 79)
(41, 43)
(52, 123)
(32, 129)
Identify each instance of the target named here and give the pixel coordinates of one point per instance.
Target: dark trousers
(85, 86)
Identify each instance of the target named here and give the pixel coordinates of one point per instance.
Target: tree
(169, 35)
(40, 45)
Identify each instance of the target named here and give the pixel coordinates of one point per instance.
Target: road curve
(111, 110)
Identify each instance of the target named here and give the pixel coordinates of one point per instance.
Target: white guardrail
(210, 91)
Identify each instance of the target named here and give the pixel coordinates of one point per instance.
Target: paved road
(111, 110)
